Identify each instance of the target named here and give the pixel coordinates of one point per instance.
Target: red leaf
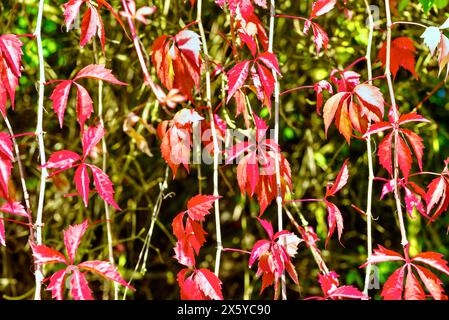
(91, 137)
(106, 270)
(82, 183)
(79, 287)
(11, 51)
(5, 173)
(433, 259)
(413, 290)
(237, 77)
(98, 72)
(331, 106)
(57, 283)
(14, 208)
(404, 157)
(104, 186)
(89, 25)
(189, 44)
(402, 55)
(84, 105)
(411, 117)
(334, 220)
(384, 153)
(412, 201)
(71, 11)
(382, 254)
(2, 233)
(45, 255)
(319, 88)
(392, 289)
(259, 249)
(371, 100)
(347, 292)
(417, 145)
(269, 59)
(6, 146)
(59, 97)
(267, 226)
(437, 193)
(340, 181)
(72, 238)
(321, 7)
(209, 284)
(320, 37)
(199, 206)
(63, 159)
(432, 282)
(184, 253)
(378, 127)
(188, 287)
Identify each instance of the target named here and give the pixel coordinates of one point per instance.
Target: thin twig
(394, 107)
(214, 136)
(369, 196)
(147, 78)
(40, 138)
(147, 242)
(276, 138)
(26, 196)
(104, 148)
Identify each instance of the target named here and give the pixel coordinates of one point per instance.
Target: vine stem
(26, 196)
(214, 137)
(147, 242)
(369, 240)
(276, 138)
(104, 148)
(40, 138)
(409, 23)
(404, 240)
(147, 78)
(315, 253)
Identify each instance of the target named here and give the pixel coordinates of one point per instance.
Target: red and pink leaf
(45, 255)
(72, 238)
(199, 206)
(104, 186)
(79, 288)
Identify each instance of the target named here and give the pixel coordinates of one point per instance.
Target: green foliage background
(314, 158)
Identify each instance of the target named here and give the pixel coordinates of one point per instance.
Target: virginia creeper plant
(213, 97)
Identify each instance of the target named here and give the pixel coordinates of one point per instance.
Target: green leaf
(427, 4)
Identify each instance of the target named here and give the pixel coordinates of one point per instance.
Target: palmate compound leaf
(352, 108)
(178, 62)
(260, 70)
(84, 104)
(274, 256)
(385, 151)
(402, 54)
(394, 287)
(92, 22)
(79, 287)
(176, 136)
(191, 235)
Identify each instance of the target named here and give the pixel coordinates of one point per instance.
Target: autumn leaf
(402, 54)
